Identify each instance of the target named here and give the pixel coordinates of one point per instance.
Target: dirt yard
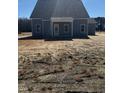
(75, 66)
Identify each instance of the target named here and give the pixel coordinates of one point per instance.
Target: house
(60, 19)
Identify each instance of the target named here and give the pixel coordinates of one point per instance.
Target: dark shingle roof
(59, 8)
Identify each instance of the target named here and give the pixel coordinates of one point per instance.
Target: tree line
(100, 25)
(24, 25)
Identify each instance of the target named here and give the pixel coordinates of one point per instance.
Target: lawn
(59, 66)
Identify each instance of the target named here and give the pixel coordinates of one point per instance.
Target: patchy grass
(59, 66)
(24, 33)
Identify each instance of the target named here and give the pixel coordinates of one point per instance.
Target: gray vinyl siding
(34, 32)
(91, 29)
(47, 33)
(63, 34)
(76, 28)
(47, 9)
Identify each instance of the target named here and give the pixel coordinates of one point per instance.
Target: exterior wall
(91, 29)
(76, 28)
(63, 34)
(34, 32)
(47, 29)
(47, 33)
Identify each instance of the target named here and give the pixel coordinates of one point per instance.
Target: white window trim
(62, 19)
(36, 28)
(64, 28)
(81, 26)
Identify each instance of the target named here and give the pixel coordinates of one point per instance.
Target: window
(38, 27)
(82, 28)
(66, 27)
(56, 29)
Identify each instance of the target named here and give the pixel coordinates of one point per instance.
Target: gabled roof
(59, 8)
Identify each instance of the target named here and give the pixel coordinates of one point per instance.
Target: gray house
(61, 19)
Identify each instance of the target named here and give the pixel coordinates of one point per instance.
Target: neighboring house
(61, 19)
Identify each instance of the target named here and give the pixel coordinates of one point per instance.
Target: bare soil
(75, 66)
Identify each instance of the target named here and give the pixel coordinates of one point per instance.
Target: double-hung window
(66, 28)
(38, 27)
(82, 28)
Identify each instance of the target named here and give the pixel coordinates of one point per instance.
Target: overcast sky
(95, 8)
